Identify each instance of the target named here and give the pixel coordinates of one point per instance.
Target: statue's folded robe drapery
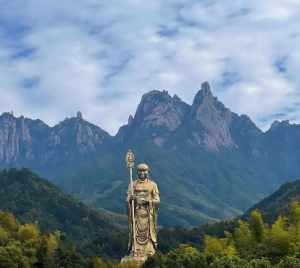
(145, 216)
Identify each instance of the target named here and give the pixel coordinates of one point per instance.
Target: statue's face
(142, 174)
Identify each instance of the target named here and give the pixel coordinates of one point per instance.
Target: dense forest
(42, 227)
(251, 244)
(25, 246)
(34, 200)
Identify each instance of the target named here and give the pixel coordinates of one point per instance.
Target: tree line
(252, 244)
(25, 246)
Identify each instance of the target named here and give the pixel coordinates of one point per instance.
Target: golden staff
(130, 165)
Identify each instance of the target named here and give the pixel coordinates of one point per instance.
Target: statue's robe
(145, 216)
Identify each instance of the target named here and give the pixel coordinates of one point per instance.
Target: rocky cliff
(209, 162)
(31, 142)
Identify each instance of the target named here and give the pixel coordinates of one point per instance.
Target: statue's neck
(145, 180)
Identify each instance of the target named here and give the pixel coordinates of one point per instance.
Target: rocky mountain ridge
(219, 163)
(207, 124)
(159, 117)
(23, 140)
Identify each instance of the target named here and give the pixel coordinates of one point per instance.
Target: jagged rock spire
(204, 94)
(205, 89)
(130, 120)
(79, 115)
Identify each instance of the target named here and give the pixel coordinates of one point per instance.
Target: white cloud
(101, 57)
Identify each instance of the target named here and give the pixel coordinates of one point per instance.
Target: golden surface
(144, 192)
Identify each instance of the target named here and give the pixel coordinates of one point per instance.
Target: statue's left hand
(143, 201)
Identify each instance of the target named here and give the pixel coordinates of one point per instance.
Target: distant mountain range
(209, 162)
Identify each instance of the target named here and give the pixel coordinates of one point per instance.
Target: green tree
(259, 263)
(294, 215)
(243, 240)
(11, 256)
(128, 264)
(4, 236)
(219, 246)
(156, 261)
(257, 226)
(278, 244)
(185, 256)
(47, 250)
(69, 258)
(8, 221)
(229, 262)
(29, 232)
(289, 262)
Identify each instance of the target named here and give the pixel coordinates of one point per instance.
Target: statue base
(139, 260)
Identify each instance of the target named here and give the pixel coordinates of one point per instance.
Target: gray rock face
(160, 110)
(76, 132)
(207, 124)
(210, 121)
(18, 138)
(157, 116)
(280, 124)
(23, 140)
(160, 118)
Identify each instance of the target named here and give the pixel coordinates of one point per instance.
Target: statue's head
(143, 171)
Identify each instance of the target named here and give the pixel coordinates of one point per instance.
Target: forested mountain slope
(34, 200)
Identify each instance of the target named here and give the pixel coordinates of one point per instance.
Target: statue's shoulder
(153, 183)
(135, 181)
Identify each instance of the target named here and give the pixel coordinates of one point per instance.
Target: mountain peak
(156, 95)
(211, 121)
(8, 114)
(205, 103)
(79, 132)
(278, 124)
(159, 109)
(130, 120)
(79, 115)
(157, 115)
(205, 89)
(203, 94)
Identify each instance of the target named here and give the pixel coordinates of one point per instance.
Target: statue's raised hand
(142, 201)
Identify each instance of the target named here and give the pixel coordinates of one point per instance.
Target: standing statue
(143, 201)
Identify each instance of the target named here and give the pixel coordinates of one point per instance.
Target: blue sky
(57, 57)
